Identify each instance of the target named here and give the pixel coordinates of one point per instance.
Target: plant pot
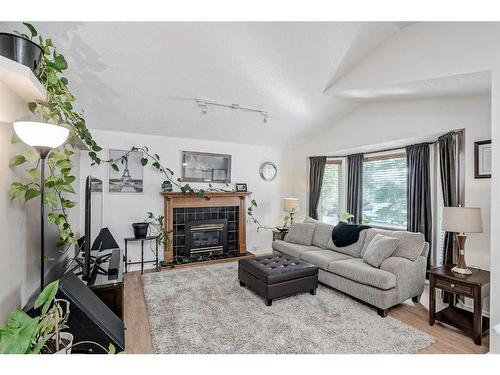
(140, 230)
(21, 50)
(67, 339)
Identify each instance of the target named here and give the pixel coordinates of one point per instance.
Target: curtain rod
(389, 149)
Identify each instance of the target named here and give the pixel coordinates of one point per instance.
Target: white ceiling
(469, 84)
(140, 77)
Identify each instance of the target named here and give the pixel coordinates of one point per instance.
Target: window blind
(331, 193)
(384, 190)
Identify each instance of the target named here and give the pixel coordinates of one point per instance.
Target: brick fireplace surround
(215, 205)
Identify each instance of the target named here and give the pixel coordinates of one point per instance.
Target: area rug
(204, 310)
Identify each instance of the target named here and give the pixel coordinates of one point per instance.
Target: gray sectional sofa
(398, 278)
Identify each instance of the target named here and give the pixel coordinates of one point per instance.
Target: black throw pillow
(345, 234)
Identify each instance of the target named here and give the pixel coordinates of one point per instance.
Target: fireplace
(184, 210)
(205, 237)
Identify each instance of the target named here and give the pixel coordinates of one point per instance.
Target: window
(384, 190)
(330, 204)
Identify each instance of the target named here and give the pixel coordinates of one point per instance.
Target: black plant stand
(142, 262)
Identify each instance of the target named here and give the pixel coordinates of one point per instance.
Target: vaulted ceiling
(142, 77)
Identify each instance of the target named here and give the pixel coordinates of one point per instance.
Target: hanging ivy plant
(58, 109)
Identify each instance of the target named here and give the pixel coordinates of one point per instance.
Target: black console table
(142, 262)
(108, 287)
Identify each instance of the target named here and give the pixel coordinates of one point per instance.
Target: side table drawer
(454, 287)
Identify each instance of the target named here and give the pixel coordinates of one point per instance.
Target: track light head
(265, 117)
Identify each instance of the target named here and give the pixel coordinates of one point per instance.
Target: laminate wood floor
(448, 339)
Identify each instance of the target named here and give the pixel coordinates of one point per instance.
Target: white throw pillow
(379, 249)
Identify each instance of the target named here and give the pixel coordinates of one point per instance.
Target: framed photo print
(482, 159)
(241, 188)
(129, 177)
(205, 167)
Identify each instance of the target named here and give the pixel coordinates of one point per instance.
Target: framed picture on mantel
(206, 167)
(482, 159)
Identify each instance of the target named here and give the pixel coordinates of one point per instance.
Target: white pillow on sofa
(300, 233)
(379, 249)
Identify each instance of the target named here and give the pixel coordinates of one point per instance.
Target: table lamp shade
(462, 220)
(41, 134)
(290, 205)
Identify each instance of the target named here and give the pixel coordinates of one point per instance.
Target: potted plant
(22, 49)
(42, 334)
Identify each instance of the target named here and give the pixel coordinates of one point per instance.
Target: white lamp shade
(41, 134)
(462, 220)
(290, 205)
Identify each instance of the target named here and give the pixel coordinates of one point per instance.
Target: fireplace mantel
(212, 199)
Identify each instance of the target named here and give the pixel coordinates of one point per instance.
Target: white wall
(376, 126)
(120, 210)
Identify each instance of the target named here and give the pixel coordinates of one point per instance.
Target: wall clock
(268, 171)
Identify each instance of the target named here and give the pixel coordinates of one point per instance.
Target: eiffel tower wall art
(129, 178)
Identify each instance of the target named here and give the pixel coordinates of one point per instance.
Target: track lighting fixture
(203, 104)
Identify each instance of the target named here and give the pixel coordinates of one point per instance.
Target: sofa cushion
(353, 250)
(379, 249)
(322, 258)
(410, 244)
(300, 233)
(361, 272)
(291, 249)
(322, 234)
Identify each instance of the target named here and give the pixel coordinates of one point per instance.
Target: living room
(298, 187)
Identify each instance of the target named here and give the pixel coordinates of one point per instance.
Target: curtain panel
(447, 162)
(418, 192)
(316, 173)
(355, 186)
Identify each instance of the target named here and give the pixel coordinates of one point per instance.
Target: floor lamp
(44, 138)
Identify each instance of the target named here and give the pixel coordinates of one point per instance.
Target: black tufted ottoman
(276, 276)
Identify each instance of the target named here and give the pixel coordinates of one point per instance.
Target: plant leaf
(31, 155)
(31, 193)
(47, 296)
(67, 188)
(115, 167)
(16, 189)
(31, 28)
(33, 174)
(17, 160)
(144, 161)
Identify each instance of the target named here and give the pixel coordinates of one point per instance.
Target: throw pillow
(379, 249)
(345, 234)
(310, 220)
(322, 234)
(300, 233)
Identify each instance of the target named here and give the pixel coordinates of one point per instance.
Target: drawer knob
(452, 285)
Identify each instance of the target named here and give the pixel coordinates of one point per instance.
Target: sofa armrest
(410, 275)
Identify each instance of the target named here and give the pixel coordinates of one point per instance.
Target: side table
(475, 286)
(142, 262)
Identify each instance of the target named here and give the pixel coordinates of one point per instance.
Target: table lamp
(461, 220)
(291, 205)
(42, 137)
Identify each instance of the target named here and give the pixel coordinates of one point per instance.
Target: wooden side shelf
(461, 319)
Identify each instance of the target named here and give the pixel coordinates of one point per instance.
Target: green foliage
(346, 217)
(19, 334)
(157, 224)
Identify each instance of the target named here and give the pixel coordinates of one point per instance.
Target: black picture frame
(479, 159)
(241, 187)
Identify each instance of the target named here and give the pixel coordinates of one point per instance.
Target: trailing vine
(58, 109)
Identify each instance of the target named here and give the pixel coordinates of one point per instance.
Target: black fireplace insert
(205, 237)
